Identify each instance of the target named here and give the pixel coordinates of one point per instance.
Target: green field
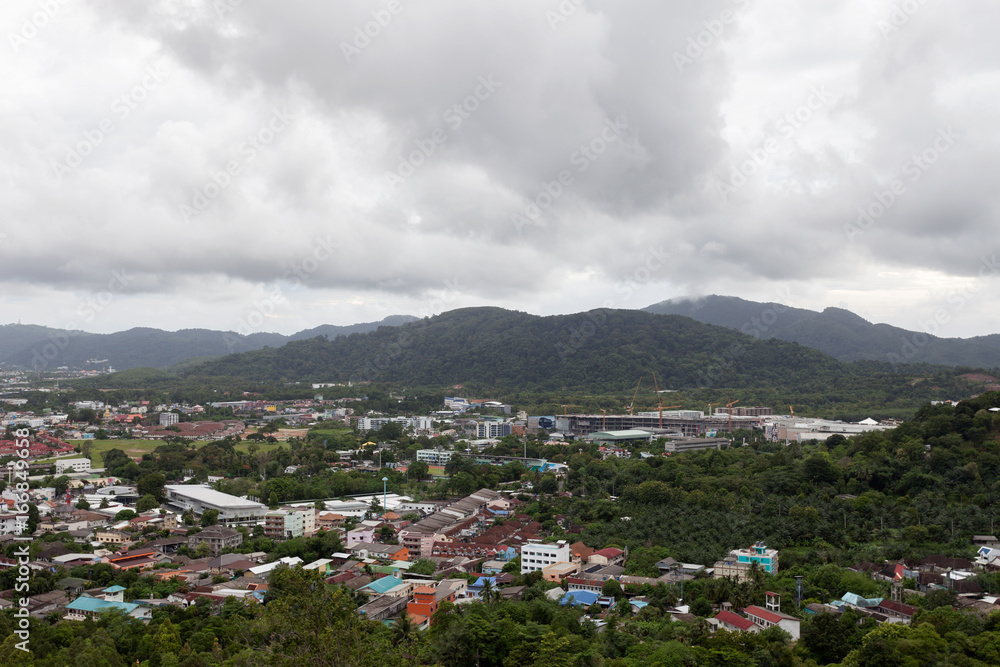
(136, 448)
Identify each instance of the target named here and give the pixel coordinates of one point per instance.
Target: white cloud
(188, 95)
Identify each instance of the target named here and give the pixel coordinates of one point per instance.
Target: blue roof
(586, 598)
(481, 581)
(858, 601)
(90, 604)
(114, 589)
(382, 585)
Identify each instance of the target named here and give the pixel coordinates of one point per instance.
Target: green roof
(383, 585)
(85, 603)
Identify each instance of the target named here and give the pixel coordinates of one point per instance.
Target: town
(475, 503)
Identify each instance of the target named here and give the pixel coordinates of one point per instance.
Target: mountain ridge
(34, 347)
(835, 331)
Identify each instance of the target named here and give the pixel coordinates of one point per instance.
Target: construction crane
(729, 408)
(659, 401)
(567, 405)
(634, 395)
(709, 413)
(792, 410)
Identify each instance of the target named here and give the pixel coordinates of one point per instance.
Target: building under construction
(685, 422)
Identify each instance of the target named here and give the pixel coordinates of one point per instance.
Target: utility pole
(384, 481)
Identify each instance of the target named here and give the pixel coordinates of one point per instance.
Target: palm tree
(488, 595)
(403, 632)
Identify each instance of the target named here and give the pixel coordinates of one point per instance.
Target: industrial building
(199, 499)
(687, 423)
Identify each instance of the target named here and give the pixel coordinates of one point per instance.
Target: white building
(13, 524)
(434, 457)
(536, 555)
(169, 418)
(492, 429)
(199, 499)
(73, 465)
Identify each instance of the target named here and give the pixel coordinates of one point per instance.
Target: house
(388, 552)
(581, 584)
(229, 563)
(137, 559)
(424, 602)
(289, 561)
(323, 565)
(383, 607)
(727, 620)
(767, 618)
(112, 537)
(359, 534)
(559, 571)
(391, 586)
(898, 610)
(87, 606)
(666, 565)
(578, 598)
(579, 552)
(607, 556)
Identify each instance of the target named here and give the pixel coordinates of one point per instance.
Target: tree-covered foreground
(923, 488)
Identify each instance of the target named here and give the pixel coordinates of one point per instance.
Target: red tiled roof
(609, 552)
(898, 607)
(764, 614)
(735, 620)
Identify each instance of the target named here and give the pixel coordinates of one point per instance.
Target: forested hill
(835, 331)
(40, 348)
(604, 350)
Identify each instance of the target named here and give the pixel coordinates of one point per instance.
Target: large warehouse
(199, 499)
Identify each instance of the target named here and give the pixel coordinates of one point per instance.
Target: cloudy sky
(264, 166)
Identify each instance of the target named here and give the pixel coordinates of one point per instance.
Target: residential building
(492, 429)
(559, 571)
(387, 552)
(217, 538)
(112, 537)
(739, 562)
(283, 524)
(424, 602)
(733, 622)
(767, 618)
(169, 418)
(13, 524)
(536, 556)
(608, 556)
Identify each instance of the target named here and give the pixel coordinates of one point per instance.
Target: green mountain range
(836, 332)
(31, 347)
(496, 350)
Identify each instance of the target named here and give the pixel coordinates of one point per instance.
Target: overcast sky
(272, 166)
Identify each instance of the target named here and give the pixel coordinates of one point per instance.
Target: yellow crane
(659, 401)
